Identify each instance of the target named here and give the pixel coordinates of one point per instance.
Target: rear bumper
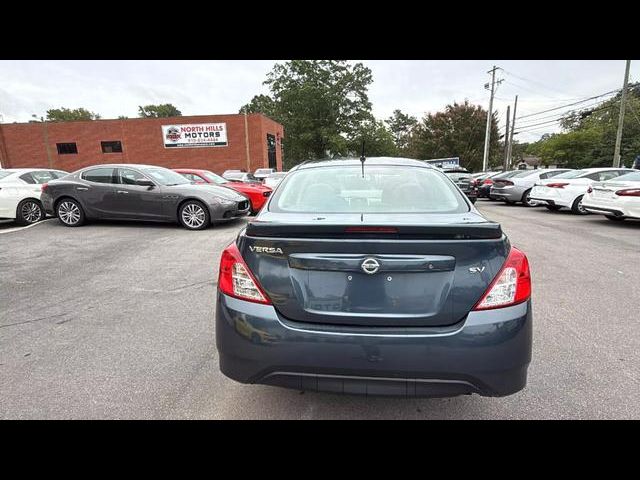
(487, 354)
(510, 194)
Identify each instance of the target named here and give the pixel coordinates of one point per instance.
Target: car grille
(243, 205)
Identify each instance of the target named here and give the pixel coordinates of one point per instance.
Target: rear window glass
(384, 189)
(524, 173)
(5, 174)
(629, 177)
(572, 174)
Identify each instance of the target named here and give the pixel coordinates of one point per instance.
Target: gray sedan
(139, 192)
(518, 187)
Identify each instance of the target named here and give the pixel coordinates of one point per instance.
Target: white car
(20, 190)
(262, 173)
(274, 179)
(616, 199)
(567, 189)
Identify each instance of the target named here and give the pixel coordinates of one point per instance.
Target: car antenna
(362, 158)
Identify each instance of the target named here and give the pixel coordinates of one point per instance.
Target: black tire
(553, 208)
(70, 212)
(614, 218)
(29, 211)
(194, 215)
(526, 200)
(577, 207)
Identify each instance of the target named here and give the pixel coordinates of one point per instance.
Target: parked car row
(612, 192)
(194, 198)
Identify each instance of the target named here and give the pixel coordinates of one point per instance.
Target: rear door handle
(122, 191)
(82, 188)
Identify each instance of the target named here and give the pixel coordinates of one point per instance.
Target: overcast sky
(113, 88)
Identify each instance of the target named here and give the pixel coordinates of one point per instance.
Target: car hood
(215, 190)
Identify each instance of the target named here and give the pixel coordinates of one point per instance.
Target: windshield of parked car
(524, 173)
(571, 174)
(627, 177)
(165, 177)
(5, 174)
(213, 178)
(384, 189)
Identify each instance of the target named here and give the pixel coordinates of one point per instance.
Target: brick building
(212, 142)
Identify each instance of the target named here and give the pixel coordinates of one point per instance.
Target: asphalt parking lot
(115, 320)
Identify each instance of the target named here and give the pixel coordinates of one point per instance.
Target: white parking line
(17, 229)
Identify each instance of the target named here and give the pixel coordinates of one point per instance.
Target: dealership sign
(195, 135)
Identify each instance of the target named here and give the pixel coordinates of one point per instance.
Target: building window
(114, 146)
(67, 148)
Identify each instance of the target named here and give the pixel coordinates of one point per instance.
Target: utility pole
(487, 135)
(513, 129)
(506, 142)
(623, 101)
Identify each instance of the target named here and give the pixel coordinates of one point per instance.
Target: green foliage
(69, 115)
(322, 105)
(378, 140)
(401, 126)
(589, 135)
(459, 131)
(261, 104)
(157, 111)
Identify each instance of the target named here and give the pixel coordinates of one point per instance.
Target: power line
(563, 116)
(570, 104)
(538, 83)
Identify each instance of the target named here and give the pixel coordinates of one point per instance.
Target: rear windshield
(213, 178)
(571, 174)
(5, 174)
(628, 177)
(384, 189)
(524, 173)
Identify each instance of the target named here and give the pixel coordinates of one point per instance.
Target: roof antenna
(362, 158)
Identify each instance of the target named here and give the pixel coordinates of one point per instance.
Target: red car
(256, 192)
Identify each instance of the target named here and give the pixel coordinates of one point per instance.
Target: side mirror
(145, 182)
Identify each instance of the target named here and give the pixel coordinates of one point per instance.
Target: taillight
(556, 185)
(629, 192)
(511, 286)
(236, 280)
(488, 181)
(44, 187)
(504, 182)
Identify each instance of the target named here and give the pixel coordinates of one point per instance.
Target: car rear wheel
(193, 215)
(553, 208)
(28, 212)
(70, 213)
(577, 207)
(526, 199)
(614, 218)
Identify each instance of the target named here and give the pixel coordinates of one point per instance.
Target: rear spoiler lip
(456, 231)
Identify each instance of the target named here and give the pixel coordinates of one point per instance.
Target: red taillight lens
(371, 230)
(629, 192)
(511, 286)
(236, 280)
(44, 187)
(504, 182)
(488, 181)
(556, 185)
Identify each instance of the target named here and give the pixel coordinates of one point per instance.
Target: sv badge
(477, 269)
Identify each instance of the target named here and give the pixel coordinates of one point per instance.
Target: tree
(260, 104)
(157, 111)
(459, 131)
(401, 126)
(69, 115)
(588, 137)
(378, 140)
(122, 117)
(321, 104)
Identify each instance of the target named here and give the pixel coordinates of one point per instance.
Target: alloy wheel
(31, 212)
(193, 215)
(69, 213)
